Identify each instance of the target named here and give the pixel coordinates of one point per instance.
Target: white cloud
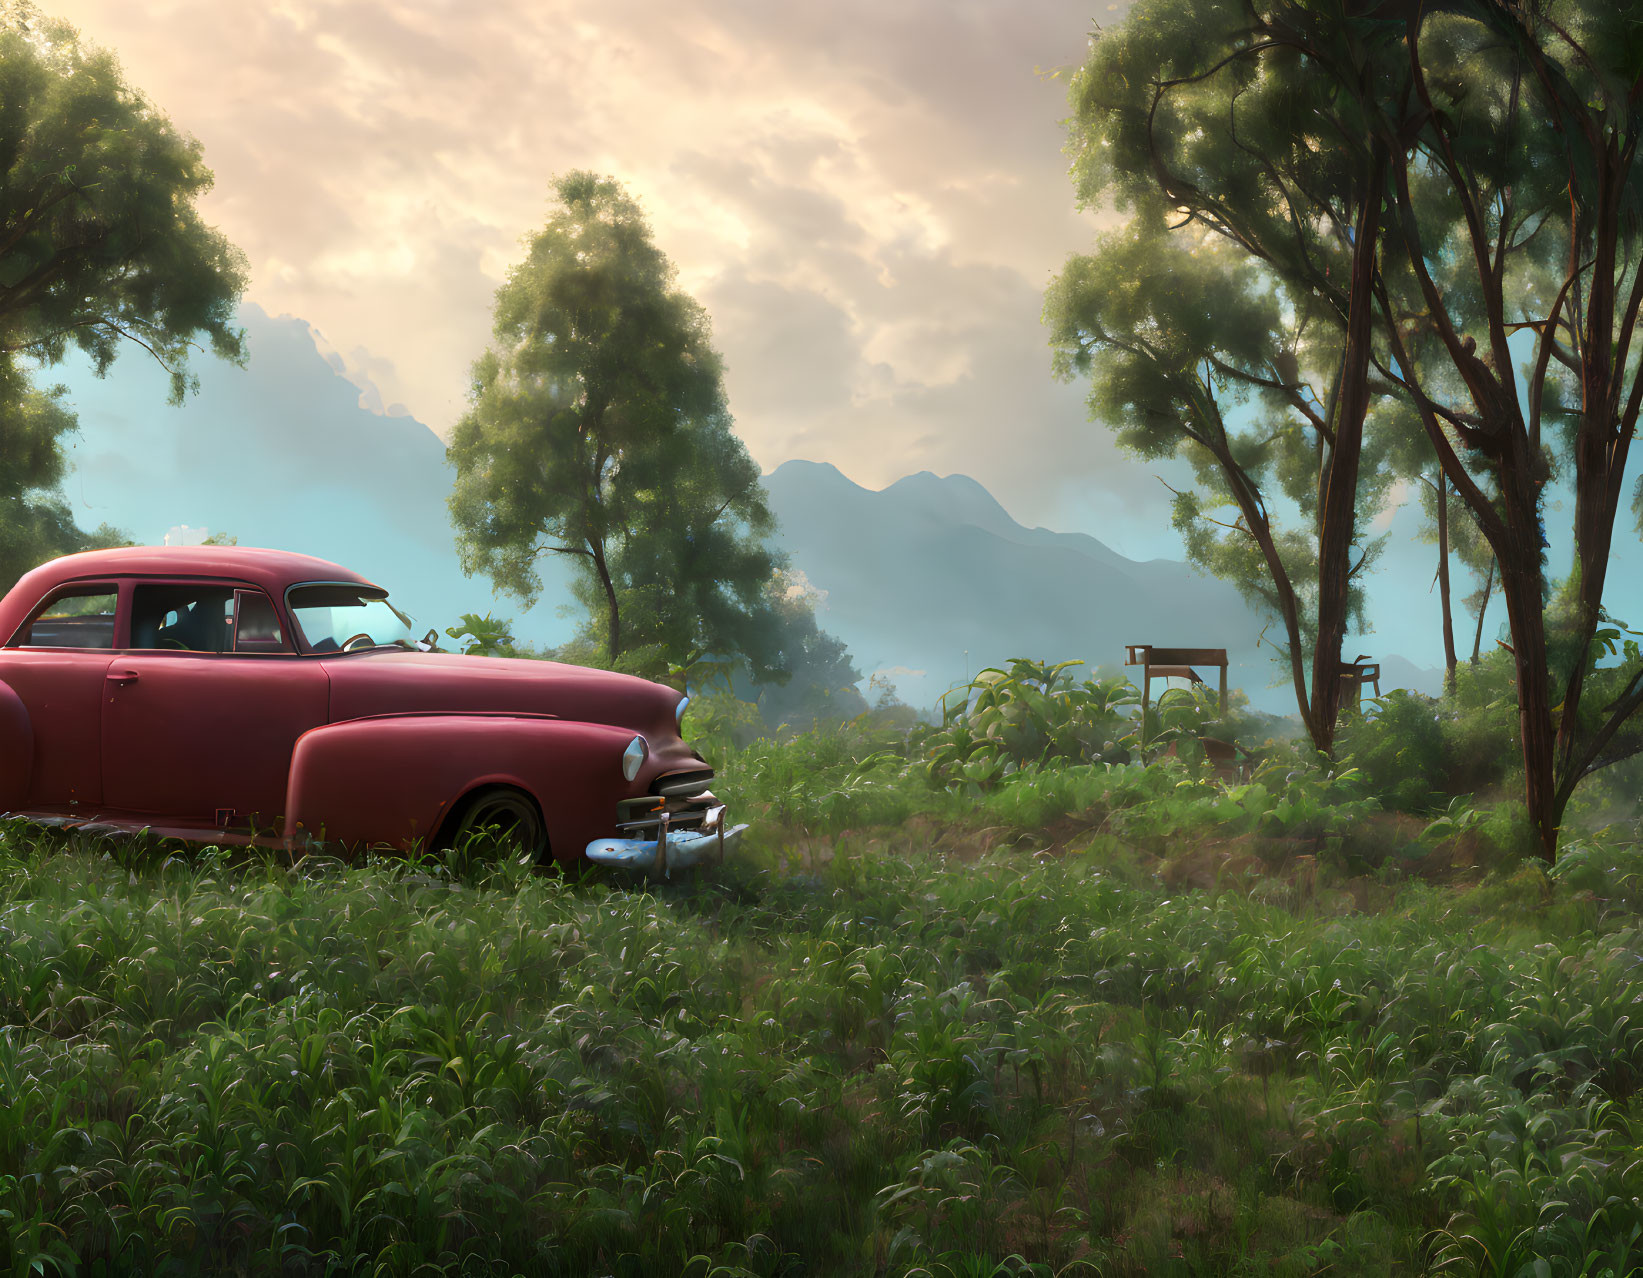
(869, 198)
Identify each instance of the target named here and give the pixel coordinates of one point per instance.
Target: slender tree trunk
(1602, 441)
(1523, 606)
(1289, 611)
(1338, 526)
(613, 644)
(1443, 584)
(596, 527)
(1521, 584)
(1246, 495)
(1488, 589)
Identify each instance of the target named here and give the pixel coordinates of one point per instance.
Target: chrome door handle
(122, 677)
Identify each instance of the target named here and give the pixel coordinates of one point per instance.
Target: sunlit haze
(869, 200)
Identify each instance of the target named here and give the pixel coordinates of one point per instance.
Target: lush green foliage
(102, 242)
(599, 431)
(865, 1058)
(101, 248)
(1417, 752)
(1302, 182)
(36, 521)
(485, 636)
(1031, 714)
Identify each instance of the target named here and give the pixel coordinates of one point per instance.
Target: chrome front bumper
(670, 850)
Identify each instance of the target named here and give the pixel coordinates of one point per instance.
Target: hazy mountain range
(926, 580)
(930, 578)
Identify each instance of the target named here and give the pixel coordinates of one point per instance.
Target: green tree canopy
(598, 429)
(1457, 184)
(100, 242)
(1223, 323)
(100, 246)
(819, 675)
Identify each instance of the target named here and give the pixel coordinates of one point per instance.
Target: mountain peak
(797, 469)
(956, 499)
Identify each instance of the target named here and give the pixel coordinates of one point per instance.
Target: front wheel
(497, 822)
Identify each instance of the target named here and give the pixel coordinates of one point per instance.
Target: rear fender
(395, 778)
(16, 750)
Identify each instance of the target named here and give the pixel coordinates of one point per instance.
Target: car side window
(78, 617)
(182, 616)
(256, 624)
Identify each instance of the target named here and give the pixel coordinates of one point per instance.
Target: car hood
(394, 682)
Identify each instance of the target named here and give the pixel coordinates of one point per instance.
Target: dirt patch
(1211, 865)
(968, 843)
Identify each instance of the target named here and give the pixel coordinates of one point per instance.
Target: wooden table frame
(1173, 663)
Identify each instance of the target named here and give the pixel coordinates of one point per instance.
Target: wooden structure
(1354, 674)
(1176, 663)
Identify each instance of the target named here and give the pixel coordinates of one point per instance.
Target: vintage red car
(232, 695)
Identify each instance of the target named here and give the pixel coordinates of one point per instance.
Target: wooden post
(1146, 695)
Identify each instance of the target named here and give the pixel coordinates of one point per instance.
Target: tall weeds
(879, 1062)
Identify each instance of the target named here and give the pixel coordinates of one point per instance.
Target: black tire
(490, 823)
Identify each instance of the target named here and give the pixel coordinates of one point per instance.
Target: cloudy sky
(868, 198)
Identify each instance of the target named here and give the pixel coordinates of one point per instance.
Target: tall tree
(101, 247)
(1517, 211)
(1215, 120)
(1191, 352)
(100, 240)
(1499, 143)
(598, 430)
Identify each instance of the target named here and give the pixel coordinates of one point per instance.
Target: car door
(56, 663)
(205, 707)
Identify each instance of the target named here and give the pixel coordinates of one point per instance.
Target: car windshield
(336, 618)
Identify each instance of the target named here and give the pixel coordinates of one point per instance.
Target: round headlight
(633, 758)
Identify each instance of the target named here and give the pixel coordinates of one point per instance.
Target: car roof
(273, 570)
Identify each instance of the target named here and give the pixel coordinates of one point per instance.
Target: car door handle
(121, 677)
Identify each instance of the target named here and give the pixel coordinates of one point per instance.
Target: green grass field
(1097, 1020)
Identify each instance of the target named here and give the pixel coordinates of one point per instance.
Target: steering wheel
(168, 642)
(348, 644)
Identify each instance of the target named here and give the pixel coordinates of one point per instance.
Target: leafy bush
(717, 723)
(485, 636)
(1609, 866)
(1416, 752)
(1030, 713)
(835, 776)
(894, 1062)
(1398, 749)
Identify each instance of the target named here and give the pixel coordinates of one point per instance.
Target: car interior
(82, 618)
(191, 617)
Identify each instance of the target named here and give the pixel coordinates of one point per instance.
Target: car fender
(16, 750)
(393, 779)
